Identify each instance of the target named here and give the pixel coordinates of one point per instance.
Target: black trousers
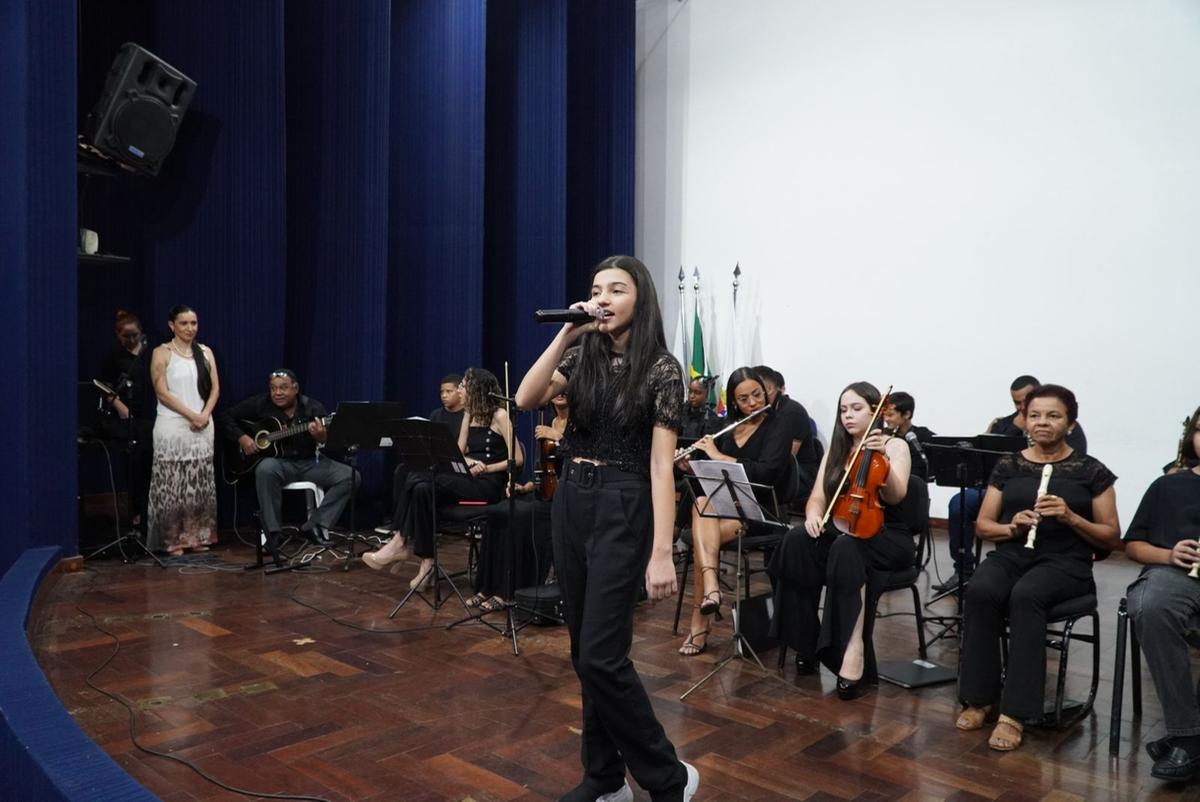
(531, 528)
(603, 526)
(422, 491)
(1024, 587)
(844, 566)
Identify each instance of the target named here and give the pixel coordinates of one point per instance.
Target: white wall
(941, 195)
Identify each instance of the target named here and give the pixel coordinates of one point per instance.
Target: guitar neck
(292, 431)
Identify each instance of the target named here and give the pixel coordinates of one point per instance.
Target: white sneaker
(622, 794)
(693, 782)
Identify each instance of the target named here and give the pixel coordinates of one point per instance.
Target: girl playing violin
(852, 567)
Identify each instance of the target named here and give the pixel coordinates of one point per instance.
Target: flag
(698, 362)
(679, 348)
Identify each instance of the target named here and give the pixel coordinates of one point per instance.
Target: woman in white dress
(183, 490)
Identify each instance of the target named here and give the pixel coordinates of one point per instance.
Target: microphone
(564, 316)
(910, 437)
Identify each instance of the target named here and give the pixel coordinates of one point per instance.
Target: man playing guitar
(278, 434)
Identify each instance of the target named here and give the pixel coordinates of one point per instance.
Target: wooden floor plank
(270, 695)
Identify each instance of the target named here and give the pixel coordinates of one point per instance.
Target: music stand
(729, 495)
(358, 425)
(429, 448)
(962, 463)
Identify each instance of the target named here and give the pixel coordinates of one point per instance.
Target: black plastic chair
(1067, 614)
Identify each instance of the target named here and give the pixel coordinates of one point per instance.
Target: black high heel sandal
(850, 689)
(710, 606)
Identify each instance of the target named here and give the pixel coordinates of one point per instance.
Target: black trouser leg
(602, 539)
(1042, 587)
(798, 570)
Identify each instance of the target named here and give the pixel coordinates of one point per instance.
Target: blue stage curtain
(337, 211)
(525, 238)
(39, 303)
(216, 214)
(600, 145)
(435, 290)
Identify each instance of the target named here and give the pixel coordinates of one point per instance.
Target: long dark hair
(737, 377)
(203, 374)
(1187, 446)
(480, 405)
(646, 344)
(840, 442)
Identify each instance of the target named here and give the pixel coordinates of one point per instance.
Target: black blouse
(1169, 512)
(627, 448)
(1077, 479)
(766, 457)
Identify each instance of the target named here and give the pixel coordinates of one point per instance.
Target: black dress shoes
(1178, 766)
(950, 584)
(806, 666)
(847, 689)
(1159, 749)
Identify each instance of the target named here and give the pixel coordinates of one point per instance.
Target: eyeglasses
(757, 395)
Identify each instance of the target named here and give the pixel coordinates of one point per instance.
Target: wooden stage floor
(230, 671)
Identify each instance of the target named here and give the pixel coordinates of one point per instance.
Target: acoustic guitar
(266, 433)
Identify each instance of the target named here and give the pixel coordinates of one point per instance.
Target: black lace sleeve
(1101, 478)
(666, 387)
(568, 362)
(1005, 468)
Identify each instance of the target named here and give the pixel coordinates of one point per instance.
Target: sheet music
(711, 474)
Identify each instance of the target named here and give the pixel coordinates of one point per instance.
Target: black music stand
(358, 425)
(729, 495)
(429, 448)
(963, 463)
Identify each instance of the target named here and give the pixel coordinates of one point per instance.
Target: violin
(548, 452)
(856, 508)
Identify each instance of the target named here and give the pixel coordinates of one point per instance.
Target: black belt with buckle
(589, 474)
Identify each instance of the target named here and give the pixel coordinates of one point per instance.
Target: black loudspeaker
(144, 100)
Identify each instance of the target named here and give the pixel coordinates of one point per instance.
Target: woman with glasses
(763, 447)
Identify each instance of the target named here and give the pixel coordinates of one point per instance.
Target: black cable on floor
(133, 727)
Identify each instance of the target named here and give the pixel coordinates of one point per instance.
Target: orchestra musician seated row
(762, 445)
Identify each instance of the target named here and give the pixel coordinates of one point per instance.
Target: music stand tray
(729, 495)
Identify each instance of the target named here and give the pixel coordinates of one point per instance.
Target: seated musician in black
(1164, 603)
(898, 415)
(297, 460)
(795, 420)
(699, 418)
(964, 537)
(852, 568)
(449, 414)
(530, 524)
(762, 446)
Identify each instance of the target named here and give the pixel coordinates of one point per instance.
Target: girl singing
(612, 517)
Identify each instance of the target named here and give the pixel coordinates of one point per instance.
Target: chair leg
(1114, 721)
(1060, 692)
(1135, 654)
(687, 564)
(1091, 700)
(922, 648)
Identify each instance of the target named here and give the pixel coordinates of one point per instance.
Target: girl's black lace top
(627, 448)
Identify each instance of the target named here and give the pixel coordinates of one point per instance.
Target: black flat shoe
(1159, 749)
(806, 666)
(847, 690)
(1178, 766)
